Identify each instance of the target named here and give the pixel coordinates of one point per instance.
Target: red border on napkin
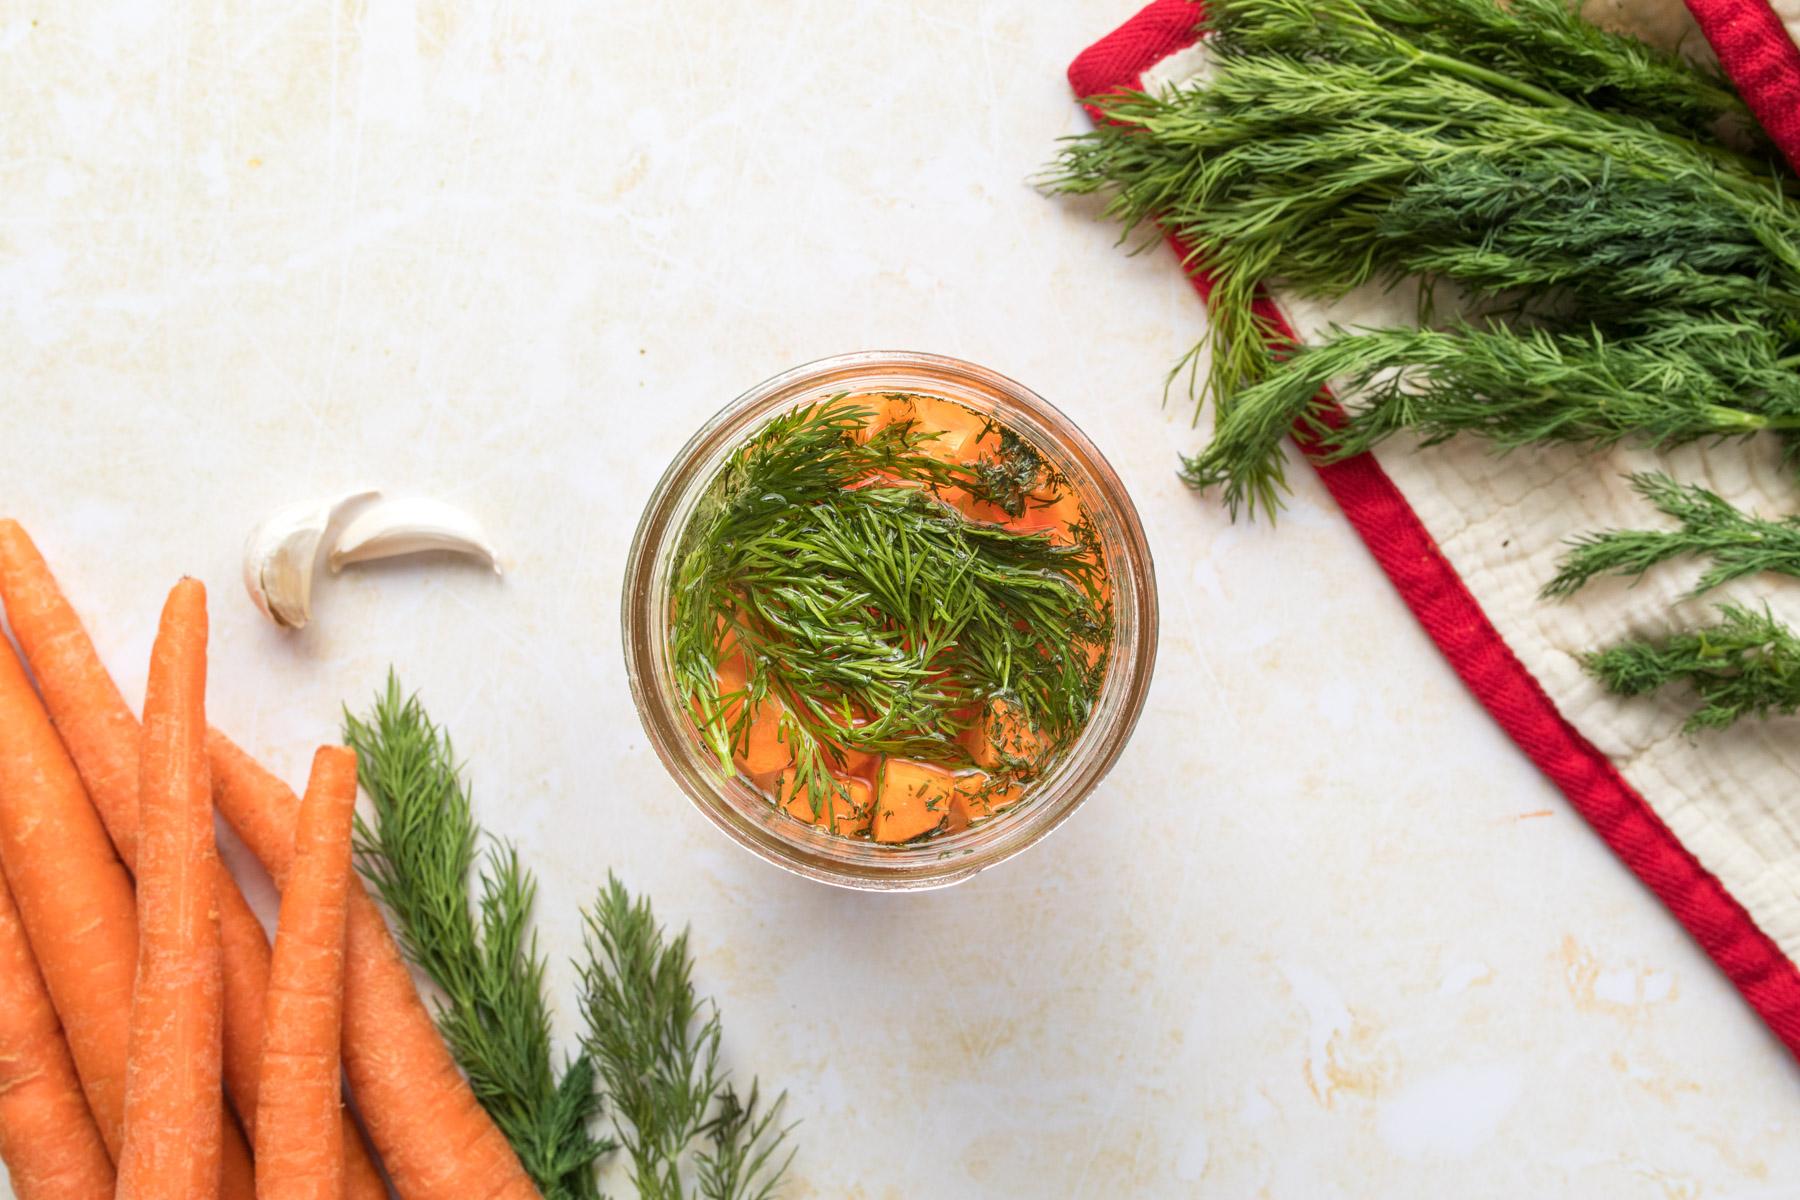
(1754, 48)
(1434, 592)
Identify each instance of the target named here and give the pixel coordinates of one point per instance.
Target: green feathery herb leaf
(1680, 380)
(1339, 144)
(1540, 49)
(656, 1044)
(1737, 543)
(1281, 171)
(1747, 664)
(420, 852)
(650, 1042)
(875, 613)
(1600, 245)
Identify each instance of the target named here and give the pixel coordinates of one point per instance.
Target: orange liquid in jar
(891, 799)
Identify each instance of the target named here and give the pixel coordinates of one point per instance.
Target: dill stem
(1737, 418)
(1471, 72)
(1475, 73)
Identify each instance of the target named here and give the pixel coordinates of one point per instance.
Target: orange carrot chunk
(101, 735)
(978, 797)
(913, 799)
(764, 748)
(952, 433)
(848, 813)
(1058, 518)
(299, 1132)
(434, 1137)
(48, 1139)
(1003, 734)
(172, 1084)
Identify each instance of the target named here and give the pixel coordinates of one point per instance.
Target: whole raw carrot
(90, 715)
(299, 1140)
(436, 1140)
(74, 897)
(245, 951)
(101, 735)
(48, 1139)
(172, 1079)
(75, 900)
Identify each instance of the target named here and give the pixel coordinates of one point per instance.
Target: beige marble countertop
(1324, 932)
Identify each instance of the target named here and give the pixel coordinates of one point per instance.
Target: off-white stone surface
(1323, 933)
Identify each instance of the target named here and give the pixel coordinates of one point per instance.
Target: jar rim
(746, 815)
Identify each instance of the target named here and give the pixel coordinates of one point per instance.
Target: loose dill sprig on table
(1746, 664)
(421, 852)
(876, 614)
(650, 1047)
(1736, 542)
(657, 1047)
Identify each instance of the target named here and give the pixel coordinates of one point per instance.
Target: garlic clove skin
(391, 528)
(282, 552)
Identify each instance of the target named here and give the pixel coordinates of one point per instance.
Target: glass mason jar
(748, 816)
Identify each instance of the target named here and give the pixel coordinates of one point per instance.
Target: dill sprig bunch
(1356, 142)
(1625, 274)
(876, 614)
(1538, 49)
(423, 854)
(650, 1045)
(1747, 664)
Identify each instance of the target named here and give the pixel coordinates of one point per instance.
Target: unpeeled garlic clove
(282, 551)
(390, 528)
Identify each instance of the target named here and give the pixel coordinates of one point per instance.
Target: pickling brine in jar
(890, 614)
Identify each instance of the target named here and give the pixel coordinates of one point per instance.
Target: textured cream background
(1323, 933)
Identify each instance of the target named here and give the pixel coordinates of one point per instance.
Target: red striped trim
(1754, 48)
(1437, 596)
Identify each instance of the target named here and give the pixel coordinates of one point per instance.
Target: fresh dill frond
(743, 1141)
(421, 853)
(656, 1045)
(877, 615)
(1676, 380)
(1601, 245)
(1746, 664)
(1736, 542)
(651, 1045)
(1545, 46)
